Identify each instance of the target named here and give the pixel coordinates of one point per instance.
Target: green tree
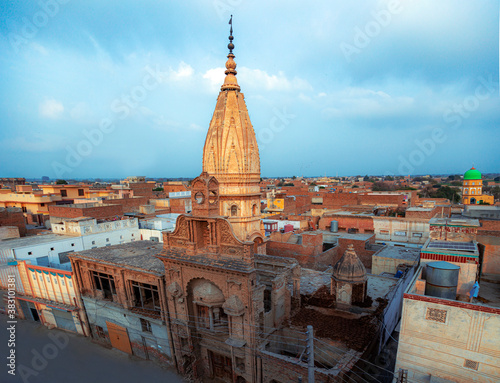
(61, 182)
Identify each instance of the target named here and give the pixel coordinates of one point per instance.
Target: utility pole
(310, 354)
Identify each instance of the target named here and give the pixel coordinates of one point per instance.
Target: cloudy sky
(117, 88)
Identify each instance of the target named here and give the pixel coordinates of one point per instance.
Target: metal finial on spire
(231, 45)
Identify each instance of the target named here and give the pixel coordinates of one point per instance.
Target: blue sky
(118, 88)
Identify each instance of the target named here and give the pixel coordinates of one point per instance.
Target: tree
(61, 182)
(366, 178)
(497, 179)
(294, 177)
(382, 186)
(389, 178)
(449, 193)
(158, 189)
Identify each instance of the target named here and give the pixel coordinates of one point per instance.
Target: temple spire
(231, 45)
(230, 82)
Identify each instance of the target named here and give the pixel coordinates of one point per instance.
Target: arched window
(472, 182)
(472, 191)
(234, 211)
(255, 210)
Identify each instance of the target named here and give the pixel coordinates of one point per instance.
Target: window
(145, 325)
(121, 236)
(400, 233)
(384, 231)
(154, 239)
(146, 296)
(80, 192)
(63, 257)
(64, 193)
(72, 244)
(132, 235)
(234, 211)
(472, 191)
(419, 235)
(30, 252)
(219, 317)
(267, 300)
(107, 239)
(108, 244)
(93, 242)
(100, 331)
(473, 183)
(104, 283)
(42, 204)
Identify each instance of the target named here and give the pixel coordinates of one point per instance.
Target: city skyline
(115, 90)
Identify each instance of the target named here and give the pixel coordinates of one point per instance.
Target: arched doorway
(472, 201)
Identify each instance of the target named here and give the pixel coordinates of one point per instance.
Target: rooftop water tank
(442, 280)
(334, 226)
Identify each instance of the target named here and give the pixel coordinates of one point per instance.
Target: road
(52, 356)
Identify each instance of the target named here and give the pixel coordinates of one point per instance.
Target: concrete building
(123, 291)
(443, 339)
(401, 230)
(391, 259)
(51, 250)
(46, 295)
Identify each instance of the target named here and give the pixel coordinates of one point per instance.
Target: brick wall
(491, 254)
(489, 227)
(13, 217)
(363, 224)
(98, 211)
(365, 255)
(309, 254)
(129, 205)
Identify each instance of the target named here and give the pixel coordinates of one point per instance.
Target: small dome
(349, 268)
(233, 306)
(207, 293)
(472, 174)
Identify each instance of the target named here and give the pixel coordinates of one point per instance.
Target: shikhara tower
(231, 155)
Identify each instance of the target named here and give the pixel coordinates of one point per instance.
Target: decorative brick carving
(436, 315)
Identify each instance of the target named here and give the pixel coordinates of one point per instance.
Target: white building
(50, 250)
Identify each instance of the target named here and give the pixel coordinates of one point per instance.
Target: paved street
(51, 356)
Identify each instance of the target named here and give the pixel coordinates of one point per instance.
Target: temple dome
(349, 268)
(207, 293)
(472, 174)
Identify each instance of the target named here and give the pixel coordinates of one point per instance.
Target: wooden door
(119, 337)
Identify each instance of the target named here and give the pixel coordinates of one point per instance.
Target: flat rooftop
(134, 255)
(462, 221)
(379, 286)
(356, 237)
(348, 213)
(455, 247)
(397, 252)
(33, 240)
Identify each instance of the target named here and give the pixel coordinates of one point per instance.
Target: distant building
(472, 190)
